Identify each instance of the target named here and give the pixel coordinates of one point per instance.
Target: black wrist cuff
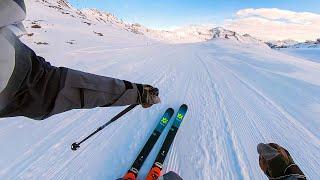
(140, 89)
(128, 84)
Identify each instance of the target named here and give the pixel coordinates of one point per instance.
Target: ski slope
(238, 96)
(311, 54)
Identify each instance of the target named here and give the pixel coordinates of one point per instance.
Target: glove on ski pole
(277, 163)
(147, 95)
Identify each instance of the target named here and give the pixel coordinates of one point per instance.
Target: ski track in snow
(214, 140)
(227, 118)
(238, 96)
(221, 111)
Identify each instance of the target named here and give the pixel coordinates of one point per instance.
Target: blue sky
(166, 14)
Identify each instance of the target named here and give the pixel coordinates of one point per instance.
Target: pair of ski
(157, 166)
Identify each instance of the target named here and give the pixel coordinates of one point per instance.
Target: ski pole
(76, 145)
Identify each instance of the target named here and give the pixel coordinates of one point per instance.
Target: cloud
(276, 24)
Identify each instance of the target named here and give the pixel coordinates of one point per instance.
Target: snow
(309, 50)
(311, 54)
(282, 44)
(294, 44)
(188, 34)
(239, 94)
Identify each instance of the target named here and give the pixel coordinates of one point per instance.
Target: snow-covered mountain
(308, 44)
(294, 44)
(221, 33)
(188, 34)
(282, 44)
(239, 94)
(309, 50)
(198, 33)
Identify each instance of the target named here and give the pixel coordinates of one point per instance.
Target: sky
(171, 14)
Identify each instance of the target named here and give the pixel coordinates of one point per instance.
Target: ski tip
(170, 111)
(184, 106)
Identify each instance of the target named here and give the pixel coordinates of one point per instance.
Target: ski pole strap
(289, 174)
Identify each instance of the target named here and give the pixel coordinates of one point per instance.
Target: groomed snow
(238, 96)
(311, 54)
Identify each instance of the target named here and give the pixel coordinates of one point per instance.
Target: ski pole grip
(74, 146)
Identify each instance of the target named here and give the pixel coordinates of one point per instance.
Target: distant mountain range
(193, 33)
(188, 34)
(294, 44)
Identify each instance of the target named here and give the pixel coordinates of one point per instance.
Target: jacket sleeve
(83, 91)
(38, 90)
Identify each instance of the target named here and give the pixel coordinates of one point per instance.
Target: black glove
(276, 162)
(147, 95)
